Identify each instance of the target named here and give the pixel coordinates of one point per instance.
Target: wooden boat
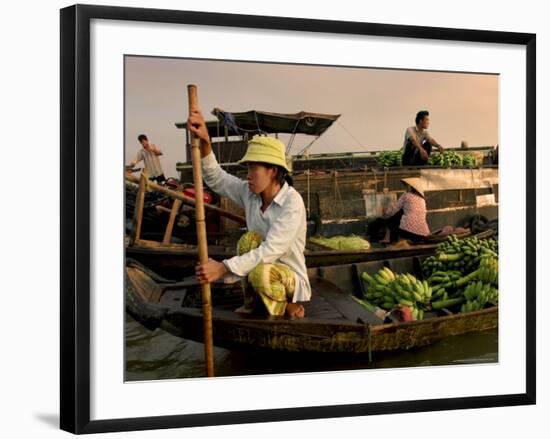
(175, 261)
(334, 322)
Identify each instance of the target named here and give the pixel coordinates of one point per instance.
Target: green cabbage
(340, 242)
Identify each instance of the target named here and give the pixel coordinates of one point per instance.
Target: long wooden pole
(201, 238)
(188, 200)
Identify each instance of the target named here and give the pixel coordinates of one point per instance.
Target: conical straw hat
(415, 183)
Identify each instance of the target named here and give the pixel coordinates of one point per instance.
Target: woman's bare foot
(245, 309)
(294, 310)
(386, 239)
(403, 243)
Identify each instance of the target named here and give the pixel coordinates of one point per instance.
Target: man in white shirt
(150, 155)
(418, 143)
(275, 210)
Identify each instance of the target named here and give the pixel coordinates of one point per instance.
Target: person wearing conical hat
(406, 219)
(270, 257)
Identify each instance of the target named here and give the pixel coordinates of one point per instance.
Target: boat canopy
(262, 122)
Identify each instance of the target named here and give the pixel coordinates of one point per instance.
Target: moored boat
(334, 322)
(175, 261)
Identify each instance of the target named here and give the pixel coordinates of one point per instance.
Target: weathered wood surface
(138, 212)
(187, 200)
(170, 226)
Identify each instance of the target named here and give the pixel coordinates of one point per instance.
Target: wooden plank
(138, 211)
(188, 200)
(343, 302)
(170, 226)
(147, 289)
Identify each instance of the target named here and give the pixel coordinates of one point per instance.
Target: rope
(308, 145)
(370, 345)
(475, 190)
(331, 150)
(291, 141)
(289, 146)
(351, 135)
(218, 134)
(337, 194)
(308, 192)
(257, 122)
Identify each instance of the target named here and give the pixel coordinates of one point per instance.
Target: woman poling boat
(270, 257)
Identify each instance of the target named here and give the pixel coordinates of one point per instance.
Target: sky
(376, 105)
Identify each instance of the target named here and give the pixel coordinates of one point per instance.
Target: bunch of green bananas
(389, 158)
(477, 294)
(462, 255)
(387, 290)
(440, 281)
(435, 159)
(450, 158)
(469, 161)
(473, 291)
(488, 270)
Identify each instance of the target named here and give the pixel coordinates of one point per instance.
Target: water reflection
(152, 355)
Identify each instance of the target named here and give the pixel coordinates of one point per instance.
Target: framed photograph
(339, 310)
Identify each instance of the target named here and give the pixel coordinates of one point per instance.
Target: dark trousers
(411, 155)
(377, 229)
(159, 178)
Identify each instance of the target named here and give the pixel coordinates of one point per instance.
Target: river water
(154, 355)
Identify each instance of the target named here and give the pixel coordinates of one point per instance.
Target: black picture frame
(75, 217)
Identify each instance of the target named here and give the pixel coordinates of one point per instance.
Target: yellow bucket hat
(266, 150)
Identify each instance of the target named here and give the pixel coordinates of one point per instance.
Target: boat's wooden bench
(342, 302)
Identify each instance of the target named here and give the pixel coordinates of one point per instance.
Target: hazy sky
(376, 105)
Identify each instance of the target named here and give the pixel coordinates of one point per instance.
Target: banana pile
(389, 158)
(473, 287)
(387, 290)
(462, 255)
(448, 159)
(462, 275)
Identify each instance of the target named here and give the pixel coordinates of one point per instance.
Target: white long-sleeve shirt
(282, 226)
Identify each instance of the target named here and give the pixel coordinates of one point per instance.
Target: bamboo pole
(138, 210)
(201, 238)
(170, 226)
(188, 200)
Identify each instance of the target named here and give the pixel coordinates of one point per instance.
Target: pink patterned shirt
(414, 213)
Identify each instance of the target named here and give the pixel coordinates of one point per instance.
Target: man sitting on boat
(406, 219)
(271, 256)
(418, 143)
